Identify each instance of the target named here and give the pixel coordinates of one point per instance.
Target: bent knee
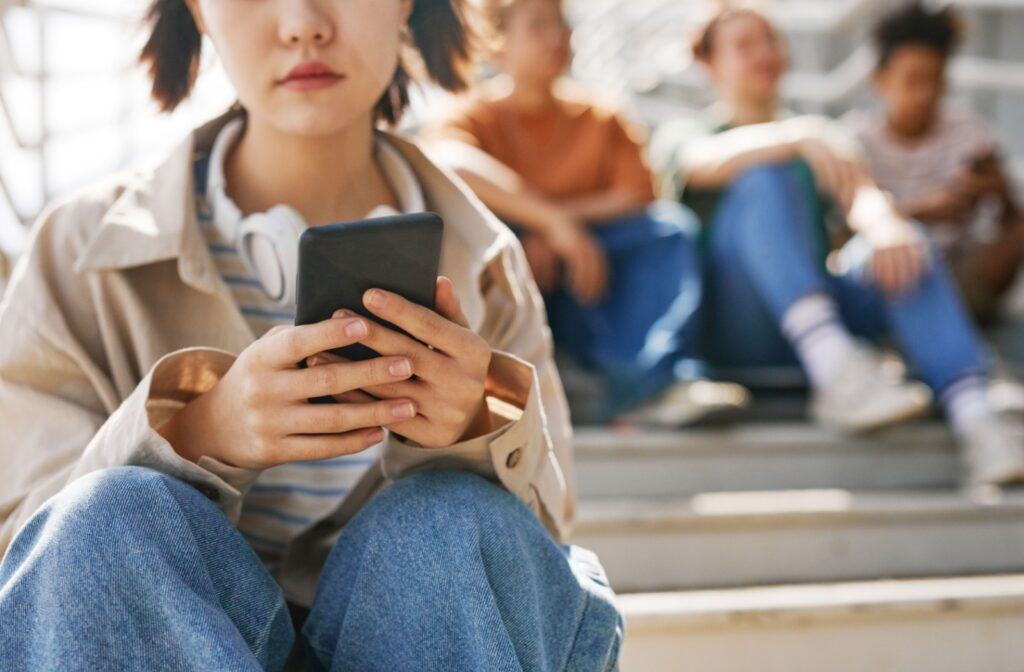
(770, 176)
(106, 496)
(456, 502)
(105, 508)
(441, 490)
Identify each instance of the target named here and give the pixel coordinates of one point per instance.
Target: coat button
(513, 458)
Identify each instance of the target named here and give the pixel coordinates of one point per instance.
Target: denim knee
(442, 517)
(99, 499)
(756, 180)
(100, 509)
(458, 500)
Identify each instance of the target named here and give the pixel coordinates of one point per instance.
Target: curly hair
(915, 24)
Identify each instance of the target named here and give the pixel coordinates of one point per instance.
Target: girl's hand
(448, 360)
(258, 414)
(836, 175)
(544, 263)
(953, 203)
(586, 265)
(899, 258)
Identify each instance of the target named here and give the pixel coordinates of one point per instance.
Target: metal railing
(39, 80)
(651, 47)
(638, 49)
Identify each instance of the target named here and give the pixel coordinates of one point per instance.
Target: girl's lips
(311, 75)
(311, 82)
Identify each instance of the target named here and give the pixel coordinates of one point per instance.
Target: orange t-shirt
(575, 147)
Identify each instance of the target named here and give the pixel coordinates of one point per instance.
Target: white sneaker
(993, 453)
(1006, 395)
(865, 396)
(689, 401)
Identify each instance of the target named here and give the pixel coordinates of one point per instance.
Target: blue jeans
(763, 255)
(131, 569)
(643, 335)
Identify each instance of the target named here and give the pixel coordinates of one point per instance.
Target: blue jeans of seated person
(762, 256)
(643, 335)
(131, 569)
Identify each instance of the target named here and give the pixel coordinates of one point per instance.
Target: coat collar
(153, 219)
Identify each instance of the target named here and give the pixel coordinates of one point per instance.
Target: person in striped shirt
(942, 165)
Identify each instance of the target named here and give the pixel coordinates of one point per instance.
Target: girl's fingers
(354, 397)
(447, 303)
(420, 392)
(332, 379)
(897, 269)
(307, 448)
(883, 271)
(283, 348)
(426, 363)
(342, 418)
(422, 323)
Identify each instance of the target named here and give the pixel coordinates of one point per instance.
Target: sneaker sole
(718, 415)
(906, 416)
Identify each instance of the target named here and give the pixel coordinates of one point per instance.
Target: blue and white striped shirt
(286, 500)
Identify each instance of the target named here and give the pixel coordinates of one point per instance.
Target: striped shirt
(910, 171)
(287, 499)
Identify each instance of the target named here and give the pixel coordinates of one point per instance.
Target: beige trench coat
(116, 317)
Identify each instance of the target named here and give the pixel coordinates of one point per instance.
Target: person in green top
(761, 182)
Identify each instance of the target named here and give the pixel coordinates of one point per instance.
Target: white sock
(821, 340)
(966, 404)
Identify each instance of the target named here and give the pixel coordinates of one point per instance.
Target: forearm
(717, 160)
(497, 185)
(603, 206)
(513, 203)
(918, 211)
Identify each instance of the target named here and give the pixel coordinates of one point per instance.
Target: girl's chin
(319, 121)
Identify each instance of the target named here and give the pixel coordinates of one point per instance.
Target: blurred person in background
(619, 271)
(762, 182)
(170, 500)
(941, 165)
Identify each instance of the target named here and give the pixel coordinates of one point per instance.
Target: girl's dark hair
(444, 32)
(703, 46)
(915, 24)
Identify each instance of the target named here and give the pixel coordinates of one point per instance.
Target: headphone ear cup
(269, 245)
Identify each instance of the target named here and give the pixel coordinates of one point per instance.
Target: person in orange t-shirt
(619, 271)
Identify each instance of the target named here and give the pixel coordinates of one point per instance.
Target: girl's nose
(305, 23)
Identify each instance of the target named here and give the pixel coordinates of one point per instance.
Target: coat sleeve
(530, 453)
(63, 413)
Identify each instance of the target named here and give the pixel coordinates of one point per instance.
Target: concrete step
(933, 625)
(766, 456)
(757, 538)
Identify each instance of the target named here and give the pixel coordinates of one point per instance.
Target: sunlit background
(73, 106)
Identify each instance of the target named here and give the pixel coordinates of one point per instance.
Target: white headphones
(268, 241)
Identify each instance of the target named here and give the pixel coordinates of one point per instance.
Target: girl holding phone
(169, 498)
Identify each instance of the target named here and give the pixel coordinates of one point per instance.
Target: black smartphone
(338, 263)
